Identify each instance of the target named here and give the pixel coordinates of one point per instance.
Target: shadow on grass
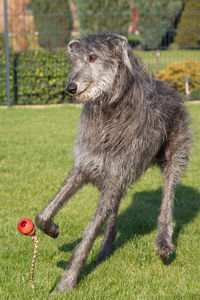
(141, 216)
(67, 248)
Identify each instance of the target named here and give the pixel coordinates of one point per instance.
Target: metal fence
(34, 65)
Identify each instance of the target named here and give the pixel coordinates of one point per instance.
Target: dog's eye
(92, 58)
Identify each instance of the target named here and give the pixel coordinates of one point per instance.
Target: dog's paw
(67, 284)
(164, 249)
(47, 227)
(104, 254)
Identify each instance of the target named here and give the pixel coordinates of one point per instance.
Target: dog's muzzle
(71, 88)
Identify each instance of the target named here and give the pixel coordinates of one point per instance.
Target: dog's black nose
(71, 88)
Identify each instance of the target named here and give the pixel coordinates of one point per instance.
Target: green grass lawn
(166, 57)
(35, 156)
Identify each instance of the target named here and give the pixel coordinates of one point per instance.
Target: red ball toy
(26, 226)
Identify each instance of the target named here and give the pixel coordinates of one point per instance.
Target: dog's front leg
(44, 219)
(107, 206)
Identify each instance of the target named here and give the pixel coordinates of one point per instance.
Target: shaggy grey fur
(129, 122)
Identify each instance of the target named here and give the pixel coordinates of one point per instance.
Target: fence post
(7, 54)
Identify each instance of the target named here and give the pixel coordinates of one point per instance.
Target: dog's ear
(122, 43)
(73, 45)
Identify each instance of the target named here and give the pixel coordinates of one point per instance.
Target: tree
(53, 22)
(104, 15)
(188, 31)
(76, 23)
(155, 17)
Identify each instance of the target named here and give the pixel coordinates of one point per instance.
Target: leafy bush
(35, 77)
(133, 40)
(155, 17)
(2, 41)
(3, 77)
(188, 33)
(174, 75)
(53, 22)
(96, 16)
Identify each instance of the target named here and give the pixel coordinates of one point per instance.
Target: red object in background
(26, 226)
(135, 18)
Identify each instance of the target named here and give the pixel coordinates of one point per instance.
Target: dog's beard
(89, 94)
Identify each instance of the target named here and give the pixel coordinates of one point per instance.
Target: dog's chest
(107, 155)
(115, 147)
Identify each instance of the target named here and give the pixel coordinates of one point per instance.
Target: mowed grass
(35, 156)
(166, 57)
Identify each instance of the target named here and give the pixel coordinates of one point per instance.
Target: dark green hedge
(36, 77)
(3, 78)
(188, 33)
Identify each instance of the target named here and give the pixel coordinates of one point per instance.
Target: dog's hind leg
(107, 205)
(164, 243)
(109, 238)
(173, 163)
(44, 219)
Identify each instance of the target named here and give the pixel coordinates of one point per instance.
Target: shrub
(175, 72)
(42, 76)
(97, 16)
(2, 41)
(133, 40)
(35, 77)
(188, 31)
(3, 77)
(53, 22)
(155, 17)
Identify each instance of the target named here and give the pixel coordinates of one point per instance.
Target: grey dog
(129, 121)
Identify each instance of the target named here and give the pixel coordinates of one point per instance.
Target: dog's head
(96, 60)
